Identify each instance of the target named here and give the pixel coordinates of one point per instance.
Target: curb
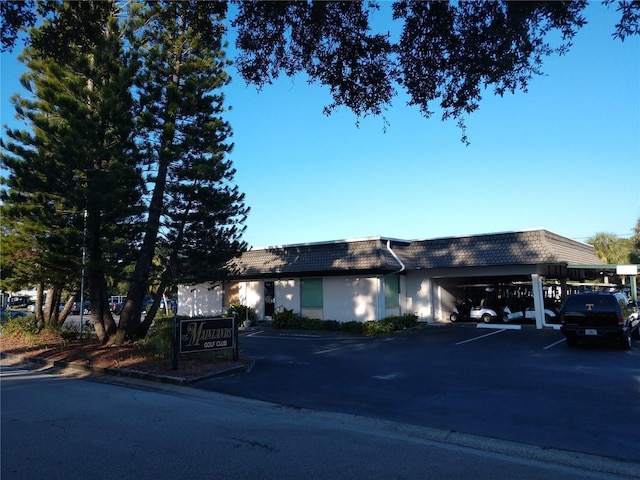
(126, 372)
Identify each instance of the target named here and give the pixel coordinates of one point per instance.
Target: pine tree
(184, 141)
(79, 167)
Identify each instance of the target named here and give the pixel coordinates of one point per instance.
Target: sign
(627, 269)
(203, 335)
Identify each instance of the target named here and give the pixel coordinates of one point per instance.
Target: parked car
(599, 315)
(116, 308)
(5, 312)
(86, 309)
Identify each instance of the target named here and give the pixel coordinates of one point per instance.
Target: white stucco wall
(287, 294)
(344, 298)
(251, 294)
(419, 296)
(350, 298)
(200, 300)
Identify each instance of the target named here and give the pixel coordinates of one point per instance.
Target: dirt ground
(51, 347)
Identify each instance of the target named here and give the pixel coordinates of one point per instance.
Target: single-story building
(371, 278)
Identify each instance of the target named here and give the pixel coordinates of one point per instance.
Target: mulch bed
(129, 357)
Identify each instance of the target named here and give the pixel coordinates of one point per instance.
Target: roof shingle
(371, 255)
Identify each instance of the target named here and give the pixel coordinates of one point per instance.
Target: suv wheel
(572, 341)
(453, 317)
(626, 340)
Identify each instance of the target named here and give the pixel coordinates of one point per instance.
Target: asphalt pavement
(519, 385)
(507, 393)
(57, 427)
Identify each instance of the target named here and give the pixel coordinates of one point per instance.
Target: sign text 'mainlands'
(205, 335)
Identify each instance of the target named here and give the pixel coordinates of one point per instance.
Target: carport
(539, 258)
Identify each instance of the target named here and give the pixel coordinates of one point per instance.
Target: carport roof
(530, 247)
(370, 255)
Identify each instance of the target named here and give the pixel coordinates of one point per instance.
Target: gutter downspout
(381, 304)
(402, 266)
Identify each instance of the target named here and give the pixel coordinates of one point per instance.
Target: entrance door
(269, 299)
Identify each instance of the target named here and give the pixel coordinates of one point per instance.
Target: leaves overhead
(446, 56)
(451, 51)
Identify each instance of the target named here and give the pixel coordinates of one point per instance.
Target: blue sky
(565, 156)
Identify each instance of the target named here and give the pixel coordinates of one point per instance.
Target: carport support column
(538, 299)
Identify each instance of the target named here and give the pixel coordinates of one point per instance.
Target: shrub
(159, 339)
(26, 325)
(288, 320)
(282, 319)
(381, 327)
(243, 312)
(408, 320)
(332, 326)
(353, 327)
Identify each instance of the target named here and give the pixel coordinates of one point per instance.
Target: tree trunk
(38, 306)
(101, 317)
(129, 326)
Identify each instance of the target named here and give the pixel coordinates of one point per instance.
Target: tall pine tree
(78, 169)
(192, 210)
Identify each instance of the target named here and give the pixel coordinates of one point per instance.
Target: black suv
(598, 315)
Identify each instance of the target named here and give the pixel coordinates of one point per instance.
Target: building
(371, 278)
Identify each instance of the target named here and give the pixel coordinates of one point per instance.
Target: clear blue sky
(565, 156)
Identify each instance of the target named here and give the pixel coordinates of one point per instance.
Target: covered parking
(539, 266)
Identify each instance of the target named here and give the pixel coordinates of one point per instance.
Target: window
(231, 293)
(392, 292)
(311, 293)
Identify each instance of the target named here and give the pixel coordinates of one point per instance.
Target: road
(56, 427)
(516, 385)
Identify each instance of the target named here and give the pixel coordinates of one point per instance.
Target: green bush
(159, 339)
(331, 326)
(288, 320)
(26, 325)
(282, 319)
(381, 327)
(354, 327)
(408, 320)
(243, 312)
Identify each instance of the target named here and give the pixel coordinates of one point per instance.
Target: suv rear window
(591, 303)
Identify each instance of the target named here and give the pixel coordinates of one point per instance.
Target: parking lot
(522, 385)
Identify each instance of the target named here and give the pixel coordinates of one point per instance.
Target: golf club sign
(203, 335)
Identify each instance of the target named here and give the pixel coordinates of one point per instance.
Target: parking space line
(294, 336)
(493, 326)
(482, 336)
(554, 344)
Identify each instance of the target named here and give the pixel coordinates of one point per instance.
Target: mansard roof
(374, 255)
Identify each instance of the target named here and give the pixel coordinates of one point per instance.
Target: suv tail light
(562, 318)
(620, 320)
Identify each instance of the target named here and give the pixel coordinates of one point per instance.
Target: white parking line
(482, 336)
(494, 326)
(294, 336)
(554, 344)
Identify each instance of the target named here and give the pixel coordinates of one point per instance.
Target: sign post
(175, 337)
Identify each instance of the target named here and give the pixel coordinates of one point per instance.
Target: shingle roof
(514, 248)
(371, 255)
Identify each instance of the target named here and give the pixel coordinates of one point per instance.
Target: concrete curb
(125, 372)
